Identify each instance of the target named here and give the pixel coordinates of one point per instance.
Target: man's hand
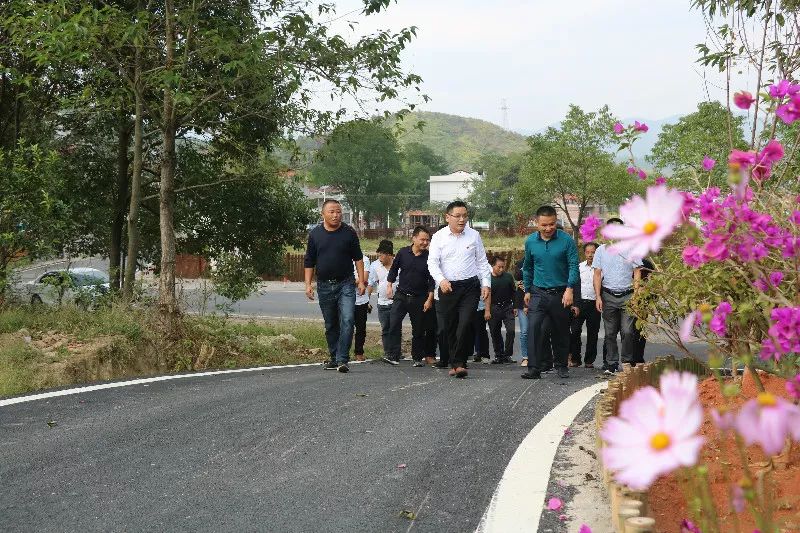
(527, 300)
(567, 298)
(445, 287)
(525, 311)
(487, 315)
(309, 291)
(485, 292)
(516, 313)
(389, 291)
(361, 288)
(575, 311)
(598, 304)
(427, 305)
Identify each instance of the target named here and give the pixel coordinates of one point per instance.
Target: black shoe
(343, 368)
(330, 365)
(507, 361)
(476, 359)
(547, 370)
(532, 374)
(389, 360)
(496, 361)
(562, 372)
(612, 369)
(441, 364)
(418, 364)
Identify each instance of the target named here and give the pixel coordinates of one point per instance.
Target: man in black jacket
(332, 248)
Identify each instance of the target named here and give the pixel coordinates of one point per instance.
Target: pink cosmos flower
(724, 420)
(618, 128)
(768, 420)
(648, 221)
(708, 163)
(743, 99)
(640, 126)
(740, 159)
(793, 387)
(688, 325)
(585, 529)
(589, 228)
(687, 526)
(655, 432)
(782, 89)
(718, 321)
(554, 504)
(789, 112)
(661, 180)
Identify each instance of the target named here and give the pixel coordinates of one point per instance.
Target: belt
(464, 281)
(618, 294)
(503, 304)
(551, 290)
(333, 280)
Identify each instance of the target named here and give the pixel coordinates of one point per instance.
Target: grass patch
(50, 347)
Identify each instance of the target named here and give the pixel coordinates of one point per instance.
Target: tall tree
(573, 165)
(681, 147)
(419, 163)
(492, 196)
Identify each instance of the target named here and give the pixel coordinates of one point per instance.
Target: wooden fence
(194, 266)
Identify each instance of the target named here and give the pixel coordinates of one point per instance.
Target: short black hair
(330, 201)
(420, 229)
(546, 211)
(614, 220)
(496, 258)
(591, 243)
(385, 247)
(456, 203)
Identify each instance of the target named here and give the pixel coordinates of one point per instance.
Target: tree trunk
(167, 301)
(123, 162)
(136, 182)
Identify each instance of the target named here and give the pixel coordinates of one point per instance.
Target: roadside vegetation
(42, 348)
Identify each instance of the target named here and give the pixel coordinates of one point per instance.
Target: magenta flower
(768, 420)
(783, 89)
(784, 333)
(585, 529)
(618, 128)
(789, 112)
(740, 159)
(687, 526)
(648, 221)
(793, 387)
(693, 256)
(708, 163)
(631, 170)
(640, 126)
(718, 321)
(661, 180)
(743, 99)
(589, 228)
(642, 174)
(655, 432)
(554, 504)
(772, 152)
(794, 218)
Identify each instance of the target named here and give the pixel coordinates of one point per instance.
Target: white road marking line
(518, 502)
(142, 381)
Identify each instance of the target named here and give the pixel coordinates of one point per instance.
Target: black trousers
(590, 315)
(458, 308)
(546, 305)
(639, 343)
(431, 330)
(421, 322)
(441, 335)
(361, 328)
(481, 337)
(502, 316)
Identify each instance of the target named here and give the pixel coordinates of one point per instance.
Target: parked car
(81, 286)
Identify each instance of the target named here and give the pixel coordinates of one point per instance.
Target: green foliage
(711, 131)
(461, 141)
(233, 277)
(492, 197)
(362, 160)
(573, 164)
(419, 163)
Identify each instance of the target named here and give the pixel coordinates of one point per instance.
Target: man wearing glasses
(457, 261)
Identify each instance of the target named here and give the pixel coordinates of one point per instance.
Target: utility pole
(504, 109)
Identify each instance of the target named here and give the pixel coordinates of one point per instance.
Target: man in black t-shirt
(502, 310)
(332, 249)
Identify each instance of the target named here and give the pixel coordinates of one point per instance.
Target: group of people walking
(451, 292)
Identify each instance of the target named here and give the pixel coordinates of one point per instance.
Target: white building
(455, 186)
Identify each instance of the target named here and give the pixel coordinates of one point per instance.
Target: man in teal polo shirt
(549, 272)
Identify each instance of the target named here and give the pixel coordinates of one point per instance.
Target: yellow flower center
(659, 441)
(705, 308)
(650, 228)
(766, 399)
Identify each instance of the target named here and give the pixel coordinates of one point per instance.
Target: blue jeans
(337, 300)
(523, 333)
(384, 314)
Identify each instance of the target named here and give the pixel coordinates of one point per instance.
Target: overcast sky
(637, 56)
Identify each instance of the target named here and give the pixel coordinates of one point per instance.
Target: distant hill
(460, 140)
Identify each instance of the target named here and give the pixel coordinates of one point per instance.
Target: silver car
(80, 286)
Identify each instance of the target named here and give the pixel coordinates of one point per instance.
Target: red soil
(666, 497)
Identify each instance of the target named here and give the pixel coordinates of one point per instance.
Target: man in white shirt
(587, 313)
(378, 271)
(457, 262)
(362, 309)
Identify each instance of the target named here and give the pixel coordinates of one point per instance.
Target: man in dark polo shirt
(413, 296)
(550, 273)
(333, 246)
(502, 310)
